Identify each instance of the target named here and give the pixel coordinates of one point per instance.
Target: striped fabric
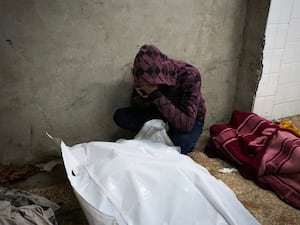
(262, 151)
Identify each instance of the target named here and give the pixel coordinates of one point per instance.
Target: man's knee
(185, 142)
(118, 118)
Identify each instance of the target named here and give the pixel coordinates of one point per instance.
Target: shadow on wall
(99, 100)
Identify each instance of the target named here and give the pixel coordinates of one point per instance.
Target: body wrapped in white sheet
(143, 182)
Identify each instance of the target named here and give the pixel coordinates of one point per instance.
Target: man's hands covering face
(146, 90)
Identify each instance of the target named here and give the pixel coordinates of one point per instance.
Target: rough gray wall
(65, 65)
(251, 55)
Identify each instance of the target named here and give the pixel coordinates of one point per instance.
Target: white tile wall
(267, 85)
(278, 93)
(281, 36)
(296, 10)
(285, 10)
(294, 31)
(264, 106)
(291, 53)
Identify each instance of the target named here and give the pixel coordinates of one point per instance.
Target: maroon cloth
(262, 151)
(179, 97)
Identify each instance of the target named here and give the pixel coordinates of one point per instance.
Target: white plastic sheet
(145, 182)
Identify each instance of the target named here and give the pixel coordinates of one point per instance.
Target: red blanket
(262, 151)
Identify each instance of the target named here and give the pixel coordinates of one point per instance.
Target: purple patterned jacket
(178, 97)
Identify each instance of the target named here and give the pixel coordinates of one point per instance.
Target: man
(165, 89)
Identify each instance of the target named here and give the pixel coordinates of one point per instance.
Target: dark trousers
(133, 119)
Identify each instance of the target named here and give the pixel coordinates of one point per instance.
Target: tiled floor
(263, 204)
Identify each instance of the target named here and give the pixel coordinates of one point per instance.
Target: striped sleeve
(181, 115)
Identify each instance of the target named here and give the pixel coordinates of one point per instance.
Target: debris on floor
(227, 170)
(9, 173)
(21, 207)
(290, 126)
(49, 165)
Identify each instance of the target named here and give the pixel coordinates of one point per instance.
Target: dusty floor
(263, 204)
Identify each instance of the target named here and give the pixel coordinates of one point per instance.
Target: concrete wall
(278, 93)
(65, 65)
(250, 69)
